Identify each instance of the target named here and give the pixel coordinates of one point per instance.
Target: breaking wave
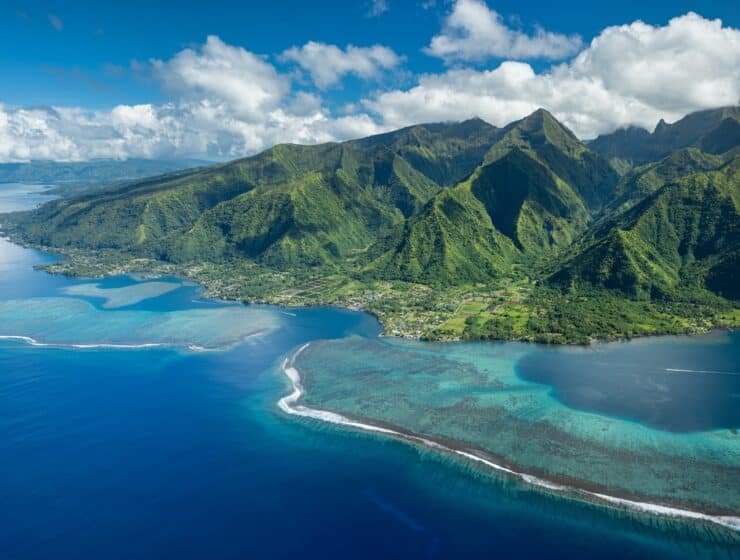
(289, 404)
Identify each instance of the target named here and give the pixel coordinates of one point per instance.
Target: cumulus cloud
(327, 64)
(231, 75)
(170, 130)
(629, 75)
(473, 32)
(227, 102)
(690, 63)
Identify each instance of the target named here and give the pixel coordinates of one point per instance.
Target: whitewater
(289, 405)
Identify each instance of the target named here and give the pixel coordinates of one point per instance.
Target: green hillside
(646, 179)
(446, 230)
(557, 148)
(291, 205)
(675, 238)
(713, 131)
(531, 195)
(452, 240)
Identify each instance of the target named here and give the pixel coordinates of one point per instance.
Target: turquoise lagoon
(138, 420)
(475, 397)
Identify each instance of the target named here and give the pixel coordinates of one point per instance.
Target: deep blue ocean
(167, 453)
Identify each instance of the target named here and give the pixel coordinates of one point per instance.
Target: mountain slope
(531, 195)
(646, 179)
(713, 131)
(451, 241)
(444, 230)
(685, 235)
(557, 148)
(533, 183)
(315, 204)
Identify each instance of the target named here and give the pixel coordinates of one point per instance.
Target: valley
(443, 231)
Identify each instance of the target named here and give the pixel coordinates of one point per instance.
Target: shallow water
(167, 451)
(471, 393)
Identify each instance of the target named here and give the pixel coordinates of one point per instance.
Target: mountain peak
(712, 130)
(542, 127)
(540, 117)
(542, 112)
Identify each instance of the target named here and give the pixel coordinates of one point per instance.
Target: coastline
(215, 291)
(513, 308)
(128, 346)
(289, 405)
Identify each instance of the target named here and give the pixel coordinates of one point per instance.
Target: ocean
(138, 420)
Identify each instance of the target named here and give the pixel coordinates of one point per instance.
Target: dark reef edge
(721, 524)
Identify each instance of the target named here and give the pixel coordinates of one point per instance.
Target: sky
(220, 80)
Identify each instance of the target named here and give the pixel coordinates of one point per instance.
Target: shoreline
(128, 346)
(289, 405)
(285, 308)
(67, 265)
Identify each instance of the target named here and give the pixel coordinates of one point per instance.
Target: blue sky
(88, 58)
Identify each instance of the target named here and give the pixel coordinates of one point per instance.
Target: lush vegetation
(672, 239)
(456, 230)
(714, 131)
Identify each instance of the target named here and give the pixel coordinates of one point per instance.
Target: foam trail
(26, 339)
(123, 346)
(33, 342)
(289, 405)
(676, 370)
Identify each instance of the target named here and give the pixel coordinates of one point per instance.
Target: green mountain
(646, 179)
(556, 147)
(533, 193)
(713, 131)
(288, 206)
(452, 240)
(684, 235)
(446, 229)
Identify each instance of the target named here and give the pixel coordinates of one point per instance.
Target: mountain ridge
(713, 131)
(443, 206)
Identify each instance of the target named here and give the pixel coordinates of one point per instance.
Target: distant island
(443, 231)
(75, 177)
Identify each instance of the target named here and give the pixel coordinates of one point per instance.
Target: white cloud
(327, 64)
(202, 129)
(30, 134)
(246, 82)
(473, 32)
(690, 63)
(631, 74)
(377, 7)
(228, 102)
